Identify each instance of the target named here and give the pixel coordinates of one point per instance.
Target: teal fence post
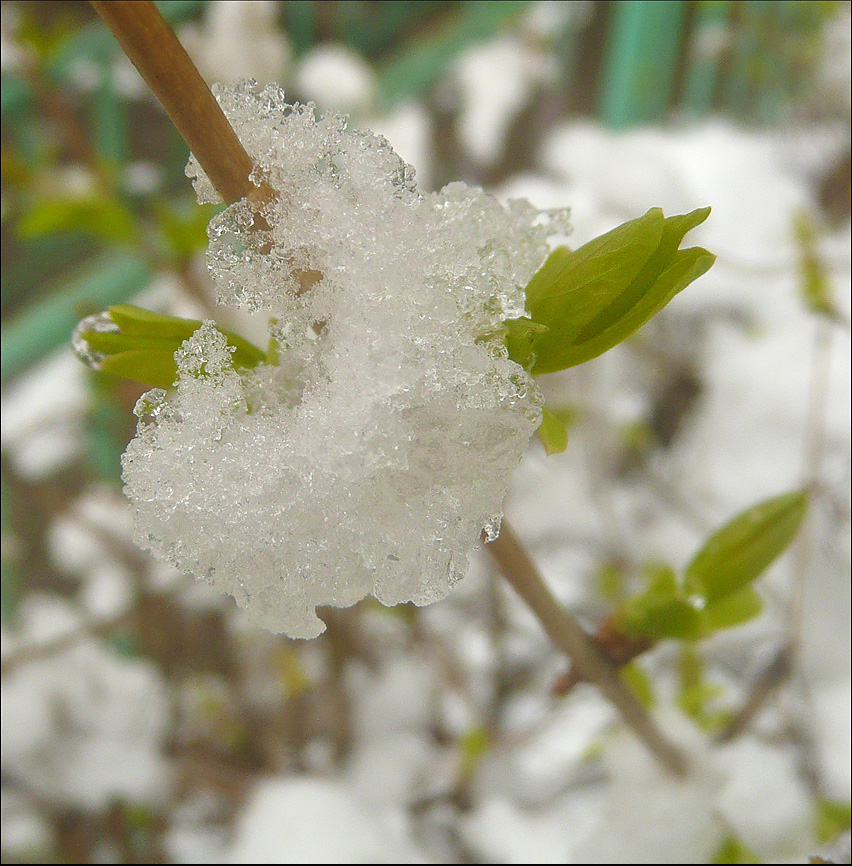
(301, 24)
(641, 57)
(707, 45)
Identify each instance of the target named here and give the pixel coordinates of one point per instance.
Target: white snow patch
(337, 79)
(648, 815)
(495, 81)
(311, 820)
(831, 727)
(84, 726)
(40, 425)
(764, 799)
(239, 39)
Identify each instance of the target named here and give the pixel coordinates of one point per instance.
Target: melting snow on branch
(368, 459)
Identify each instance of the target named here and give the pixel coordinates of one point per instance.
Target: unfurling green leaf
(183, 231)
(662, 582)
(676, 619)
(473, 747)
(815, 282)
(135, 321)
(149, 366)
(662, 610)
(609, 579)
(733, 851)
(143, 346)
(520, 335)
(740, 551)
(696, 695)
(598, 295)
(715, 593)
(553, 433)
(733, 609)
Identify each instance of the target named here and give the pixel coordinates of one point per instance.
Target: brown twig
(814, 443)
(162, 61)
(614, 645)
(168, 70)
(340, 641)
(567, 634)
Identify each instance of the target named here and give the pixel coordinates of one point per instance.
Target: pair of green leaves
(143, 348)
(715, 592)
(583, 302)
(592, 298)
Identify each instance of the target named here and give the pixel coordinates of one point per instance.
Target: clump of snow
(371, 456)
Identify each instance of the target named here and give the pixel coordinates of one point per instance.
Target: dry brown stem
(568, 635)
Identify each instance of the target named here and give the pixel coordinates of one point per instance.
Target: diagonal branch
(168, 70)
(162, 61)
(567, 634)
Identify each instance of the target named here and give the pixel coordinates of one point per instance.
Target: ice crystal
(370, 456)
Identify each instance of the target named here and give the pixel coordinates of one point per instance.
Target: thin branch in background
(340, 641)
(568, 635)
(814, 451)
(27, 655)
(787, 662)
(815, 436)
(762, 687)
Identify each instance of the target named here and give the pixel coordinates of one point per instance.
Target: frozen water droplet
(100, 323)
(492, 527)
(151, 403)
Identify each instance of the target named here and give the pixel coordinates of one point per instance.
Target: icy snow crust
(370, 458)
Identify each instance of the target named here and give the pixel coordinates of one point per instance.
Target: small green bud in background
(715, 592)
